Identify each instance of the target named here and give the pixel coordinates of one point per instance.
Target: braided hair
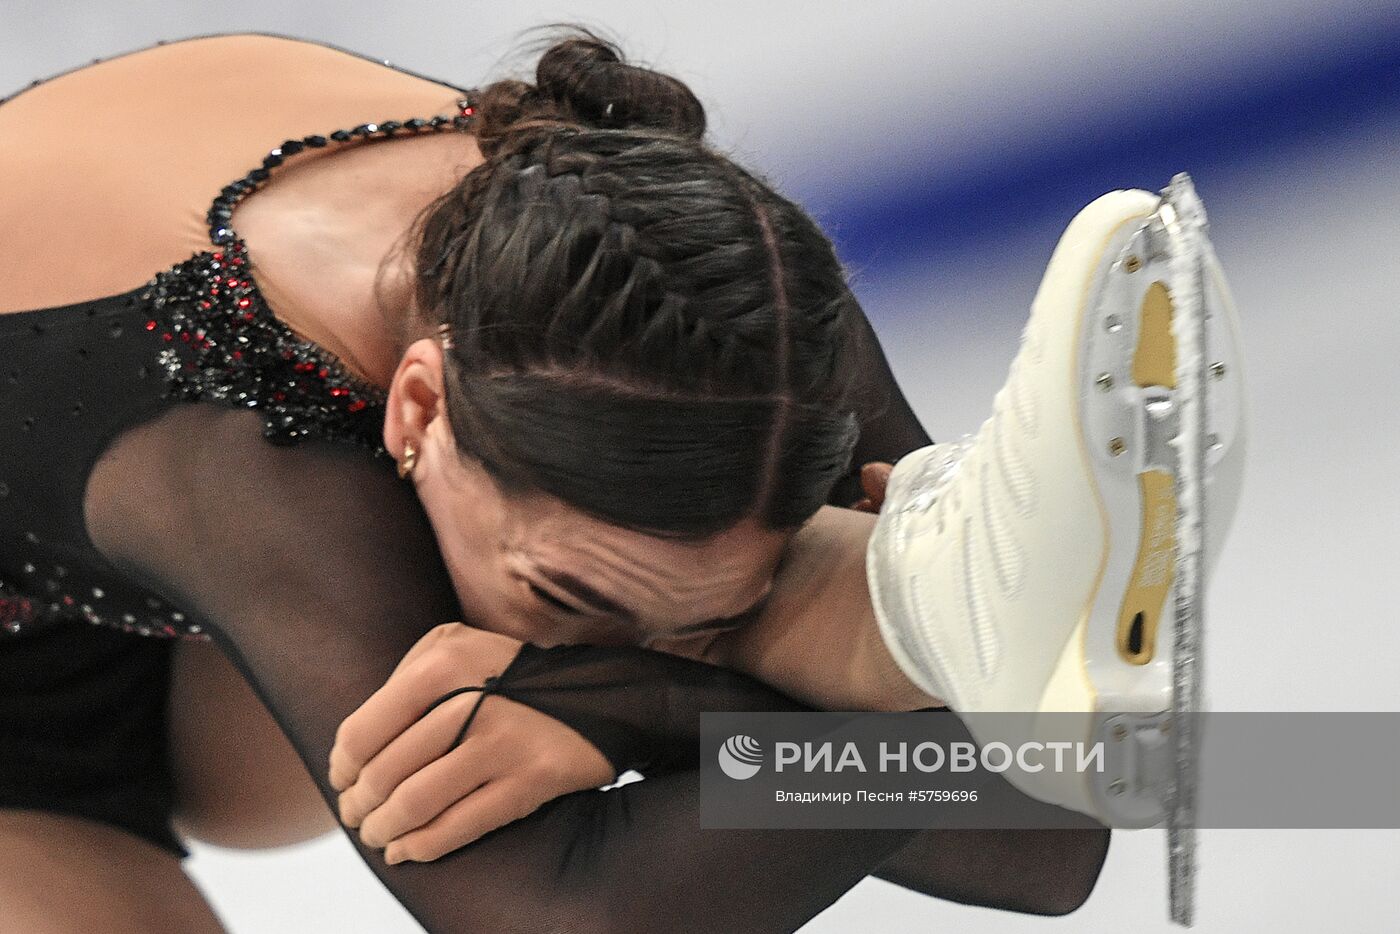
(639, 327)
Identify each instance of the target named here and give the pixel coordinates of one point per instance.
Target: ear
(415, 397)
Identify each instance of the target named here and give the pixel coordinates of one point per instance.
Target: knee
(123, 884)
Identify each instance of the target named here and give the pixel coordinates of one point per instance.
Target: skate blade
(1162, 331)
(1185, 222)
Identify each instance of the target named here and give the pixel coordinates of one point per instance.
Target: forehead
(646, 569)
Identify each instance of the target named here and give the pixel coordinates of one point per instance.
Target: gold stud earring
(410, 460)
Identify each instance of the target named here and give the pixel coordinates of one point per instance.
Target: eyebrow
(724, 622)
(584, 593)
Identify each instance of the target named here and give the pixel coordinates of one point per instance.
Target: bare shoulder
(237, 93)
(233, 65)
(136, 147)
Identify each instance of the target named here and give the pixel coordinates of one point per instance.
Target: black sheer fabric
(888, 427)
(315, 571)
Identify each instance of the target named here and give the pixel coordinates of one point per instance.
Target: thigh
(83, 727)
(239, 782)
(67, 875)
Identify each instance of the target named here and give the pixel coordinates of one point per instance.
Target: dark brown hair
(639, 327)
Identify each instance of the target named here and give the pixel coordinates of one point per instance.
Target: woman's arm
(319, 573)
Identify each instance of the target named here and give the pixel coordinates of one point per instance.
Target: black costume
(254, 507)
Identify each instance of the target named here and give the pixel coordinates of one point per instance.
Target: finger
(425, 642)
(429, 792)
(344, 755)
(493, 805)
(874, 477)
(389, 711)
(422, 743)
(447, 657)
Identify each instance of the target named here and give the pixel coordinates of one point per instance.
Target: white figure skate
(1052, 567)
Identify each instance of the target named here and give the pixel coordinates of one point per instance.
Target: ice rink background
(944, 145)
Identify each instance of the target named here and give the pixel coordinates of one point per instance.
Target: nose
(695, 646)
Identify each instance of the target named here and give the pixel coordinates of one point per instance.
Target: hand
(408, 790)
(873, 478)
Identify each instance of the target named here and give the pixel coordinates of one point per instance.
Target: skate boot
(1051, 568)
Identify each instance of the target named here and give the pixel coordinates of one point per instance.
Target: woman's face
(535, 568)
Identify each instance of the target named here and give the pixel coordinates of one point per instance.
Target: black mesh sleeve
(888, 427)
(317, 571)
(640, 708)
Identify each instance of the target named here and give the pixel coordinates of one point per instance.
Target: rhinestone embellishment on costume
(216, 339)
(221, 342)
(16, 610)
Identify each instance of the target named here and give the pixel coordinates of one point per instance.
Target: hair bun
(586, 77)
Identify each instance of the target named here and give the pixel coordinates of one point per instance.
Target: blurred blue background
(944, 145)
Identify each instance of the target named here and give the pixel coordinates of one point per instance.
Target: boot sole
(1128, 358)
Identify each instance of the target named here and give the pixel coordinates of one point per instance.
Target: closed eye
(726, 623)
(553, 601)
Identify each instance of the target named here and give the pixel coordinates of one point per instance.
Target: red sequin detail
(233, 350)
(16, 610)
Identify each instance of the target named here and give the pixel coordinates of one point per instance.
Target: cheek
(471, 535)
(464, 528)
(467, 532)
